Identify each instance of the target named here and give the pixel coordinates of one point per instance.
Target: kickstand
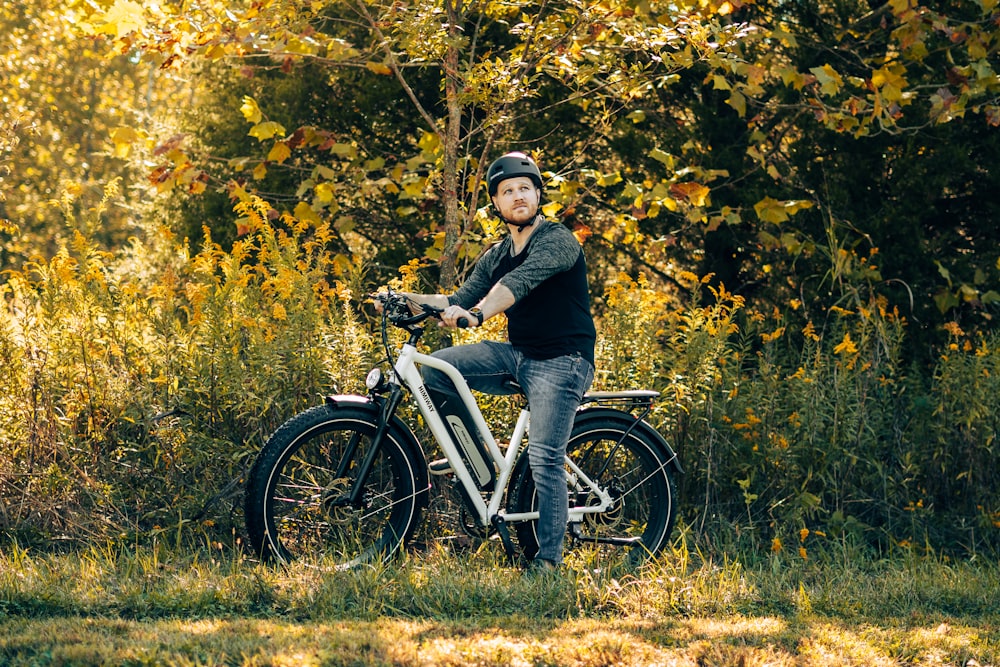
(508, 545)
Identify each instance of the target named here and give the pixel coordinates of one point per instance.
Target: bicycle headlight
(374, 379)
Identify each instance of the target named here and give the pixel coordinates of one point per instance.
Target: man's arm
(436, 300)
(553, 250)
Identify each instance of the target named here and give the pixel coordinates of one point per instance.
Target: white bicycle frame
(406, 369)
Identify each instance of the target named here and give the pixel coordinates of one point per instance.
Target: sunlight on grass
(126, 606)
(514, 641)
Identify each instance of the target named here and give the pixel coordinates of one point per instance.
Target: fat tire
(649, 509)
(289, 505)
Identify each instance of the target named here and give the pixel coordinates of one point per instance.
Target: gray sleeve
(553, 250)
(480, 280)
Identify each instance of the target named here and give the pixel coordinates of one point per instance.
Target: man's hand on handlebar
(449, 316)
(458, 317)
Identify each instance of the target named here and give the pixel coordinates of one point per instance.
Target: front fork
(388, 409)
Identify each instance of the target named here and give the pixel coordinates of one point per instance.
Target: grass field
(155, 606)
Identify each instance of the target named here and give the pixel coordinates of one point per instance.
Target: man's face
(517, 199)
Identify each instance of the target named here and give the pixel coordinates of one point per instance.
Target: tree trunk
(452, 135)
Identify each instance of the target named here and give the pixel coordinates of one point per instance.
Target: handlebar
(397, 310)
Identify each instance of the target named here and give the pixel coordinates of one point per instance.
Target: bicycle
(349, 479)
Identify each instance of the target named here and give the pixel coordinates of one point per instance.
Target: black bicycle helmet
(512, 165)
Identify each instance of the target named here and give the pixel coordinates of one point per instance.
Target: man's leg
(554, 388)
(485, 366)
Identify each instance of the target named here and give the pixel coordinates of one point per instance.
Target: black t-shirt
(554, 318)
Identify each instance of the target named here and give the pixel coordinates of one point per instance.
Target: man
(537, 276)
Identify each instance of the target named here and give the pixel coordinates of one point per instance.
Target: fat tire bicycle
(349, 480)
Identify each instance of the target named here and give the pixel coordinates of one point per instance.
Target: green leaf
(663, 157)
(738, 102)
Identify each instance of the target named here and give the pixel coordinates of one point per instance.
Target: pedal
(508, 545)
(440, 467)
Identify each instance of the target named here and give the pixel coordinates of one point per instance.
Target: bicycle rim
(304, 508)
(635, 474)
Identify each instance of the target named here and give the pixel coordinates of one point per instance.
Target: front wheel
(635, 471)
(296, 497)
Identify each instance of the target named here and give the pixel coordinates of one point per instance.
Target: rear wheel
(296, 497)
(636, 473)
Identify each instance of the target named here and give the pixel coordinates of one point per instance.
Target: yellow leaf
(324, 192)
(122, 18)
(260, 171)
(550, 209)
(891, 81)
(251, 111)
(378, 68)
(829, 79)
(344, 150)
(769, 209)
(304, 212)
(430, 142)
(609, 179)
(267, 130)
(695, 193)
(123, 138)
(215, 52)
(279, 152)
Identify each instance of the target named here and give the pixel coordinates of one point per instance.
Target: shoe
(542, 566)
(440, 467)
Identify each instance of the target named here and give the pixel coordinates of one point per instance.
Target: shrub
(133, 399)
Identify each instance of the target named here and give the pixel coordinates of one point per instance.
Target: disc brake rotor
(337, 511)
(611, 517)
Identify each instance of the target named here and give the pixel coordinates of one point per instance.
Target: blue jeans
(554, 388)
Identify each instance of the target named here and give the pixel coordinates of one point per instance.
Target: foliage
(63, 100)
(825, 166)
(820, 430)
(132, 399)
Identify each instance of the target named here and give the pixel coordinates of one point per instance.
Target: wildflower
(767, 338)
(809, 331)
(687, 278)
(802, 552)
(953, 329)
(776, 545)
(846, 346)
(803, 534)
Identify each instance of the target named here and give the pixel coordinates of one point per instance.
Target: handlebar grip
(462, 322)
